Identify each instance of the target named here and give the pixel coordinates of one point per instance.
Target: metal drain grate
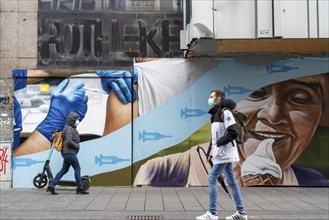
(145, 217)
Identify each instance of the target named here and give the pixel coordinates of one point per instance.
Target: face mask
(77, 122)
(211, 102)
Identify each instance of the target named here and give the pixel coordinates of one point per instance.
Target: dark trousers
(69, 160)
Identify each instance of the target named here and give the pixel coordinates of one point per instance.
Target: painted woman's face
(289, 112)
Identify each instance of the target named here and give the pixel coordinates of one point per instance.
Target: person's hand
(120, 82)
(64, 99)
(20, 79)
(17, 124)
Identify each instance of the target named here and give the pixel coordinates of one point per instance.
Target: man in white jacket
(223, 153)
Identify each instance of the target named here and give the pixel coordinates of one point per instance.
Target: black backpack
(240, 119)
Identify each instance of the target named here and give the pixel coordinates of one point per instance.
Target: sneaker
(237, 216)
(207, 216)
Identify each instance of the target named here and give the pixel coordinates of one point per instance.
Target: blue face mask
(211, 102)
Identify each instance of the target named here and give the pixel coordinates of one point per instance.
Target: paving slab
(163, 202)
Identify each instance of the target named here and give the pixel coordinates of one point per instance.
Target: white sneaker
(207, 216)
(237, 216)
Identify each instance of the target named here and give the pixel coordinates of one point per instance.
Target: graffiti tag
(3, 160)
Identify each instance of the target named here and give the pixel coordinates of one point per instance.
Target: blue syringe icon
(236, 90)
(24, 162)
(187, 113)
(108, 160)
(272, 68)
(151, 136)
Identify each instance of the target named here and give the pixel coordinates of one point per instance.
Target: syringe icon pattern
(101, 160)
(272, 68)
(236, 90)
(190, 112)
(151, 136)
(24, 162)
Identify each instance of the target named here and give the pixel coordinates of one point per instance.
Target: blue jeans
(69, 160)
(215, 172)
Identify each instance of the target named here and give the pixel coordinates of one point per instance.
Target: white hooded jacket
(228, 152)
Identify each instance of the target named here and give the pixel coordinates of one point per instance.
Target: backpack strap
(222, 113)
(222, 117)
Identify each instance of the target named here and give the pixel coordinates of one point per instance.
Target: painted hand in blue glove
(20, 78)
(17, 124)
(120, 82)
(64, 99)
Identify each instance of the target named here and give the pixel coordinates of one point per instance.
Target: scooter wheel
(85, 183)
(40, 181)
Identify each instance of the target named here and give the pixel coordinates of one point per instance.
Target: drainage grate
(145, 217)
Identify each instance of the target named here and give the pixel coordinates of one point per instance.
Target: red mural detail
(3, 160)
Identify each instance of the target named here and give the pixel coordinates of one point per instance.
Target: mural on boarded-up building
(143, 107)
(148, 125)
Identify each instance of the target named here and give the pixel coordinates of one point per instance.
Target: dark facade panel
(105, 39)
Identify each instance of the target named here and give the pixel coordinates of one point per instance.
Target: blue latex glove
(20, 78)
(17, 124)
(120, 82)
(64, 99)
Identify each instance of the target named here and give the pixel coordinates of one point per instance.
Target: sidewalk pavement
(162, 203)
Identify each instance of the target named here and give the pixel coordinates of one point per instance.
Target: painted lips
(278, 138)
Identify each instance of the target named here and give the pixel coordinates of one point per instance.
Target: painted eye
(259, 94)
(301, 99)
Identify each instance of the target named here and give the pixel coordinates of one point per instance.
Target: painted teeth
(270, 135)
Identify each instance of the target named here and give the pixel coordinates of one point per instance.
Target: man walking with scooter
(69, 153)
